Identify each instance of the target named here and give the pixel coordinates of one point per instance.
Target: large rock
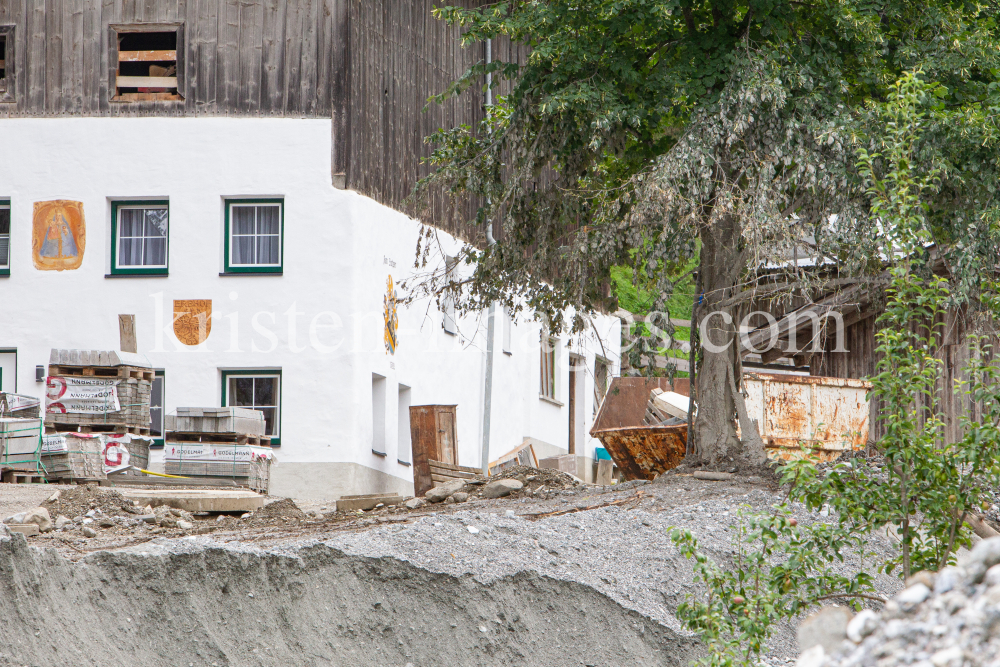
(439, 493)
(501, 488)
(40, 517)
(826, 627)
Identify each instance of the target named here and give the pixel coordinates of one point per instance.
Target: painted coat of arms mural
(391, 321)
(58, 235)
(192, 320)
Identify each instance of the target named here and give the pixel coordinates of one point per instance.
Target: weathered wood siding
(861, 359)
(239, 57)
(399, 56)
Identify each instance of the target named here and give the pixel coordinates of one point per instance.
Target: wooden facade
(236, 57)
(399, 56)
(858, 357)
(369, 65)
(861, 360)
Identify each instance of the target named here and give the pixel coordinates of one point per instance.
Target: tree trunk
(721, 262)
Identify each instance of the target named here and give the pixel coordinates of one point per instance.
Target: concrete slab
(368, 502)
(26, 529)
(197, 500)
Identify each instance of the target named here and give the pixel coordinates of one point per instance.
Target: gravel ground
(16, 498)
(623, 551)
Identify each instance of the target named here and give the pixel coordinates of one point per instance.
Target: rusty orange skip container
(639, 451)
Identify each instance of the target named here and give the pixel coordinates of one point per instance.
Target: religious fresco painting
(58, 235)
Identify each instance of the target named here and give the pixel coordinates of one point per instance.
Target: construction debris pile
(944, 619)
(518, 481)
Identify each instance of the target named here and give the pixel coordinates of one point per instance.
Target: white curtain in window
(256, 232)
(4, 237)
(142, 237)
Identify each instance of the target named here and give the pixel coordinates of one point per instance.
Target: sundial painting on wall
(389, 313)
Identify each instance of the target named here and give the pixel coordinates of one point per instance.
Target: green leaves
(621, 127)
(779, 570)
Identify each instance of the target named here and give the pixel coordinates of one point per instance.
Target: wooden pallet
(77, 480)
(119, 372)
(59, 427)
(20, 477)
(219, 438)
(445, 472)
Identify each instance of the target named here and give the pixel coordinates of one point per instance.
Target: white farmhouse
(230, 173)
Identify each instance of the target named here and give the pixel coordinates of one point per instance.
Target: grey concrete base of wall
(328, 481)
(196, 602)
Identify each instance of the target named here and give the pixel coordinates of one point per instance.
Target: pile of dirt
(535, 477)
(81, 499)
(192, 602)
(280, 510)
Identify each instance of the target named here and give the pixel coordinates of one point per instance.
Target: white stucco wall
(320, 322)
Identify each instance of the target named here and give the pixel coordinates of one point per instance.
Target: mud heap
(191, 602)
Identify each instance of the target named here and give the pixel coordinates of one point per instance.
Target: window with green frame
(140, 237)
(156, 407)
(258, 390)
(255, 231)
(4, 237)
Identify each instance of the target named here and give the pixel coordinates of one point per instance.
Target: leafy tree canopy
(644, 133)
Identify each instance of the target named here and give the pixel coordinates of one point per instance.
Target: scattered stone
(986, 552)
(814, 657)
(88, 531)
(40, 517)
(510, 514)
(862, 625)
(501, 488)
(952, 626)
(912, 596)
(184, 525)
(473, 530)
(460, 497)
(26, 529)
(450, 500)
(826, 628)
(148, 518)
(923, 577)
(414, 503)
(440, 493)
(62, 522)
(105, 522)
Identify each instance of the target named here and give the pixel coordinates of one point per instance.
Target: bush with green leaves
(779, 569)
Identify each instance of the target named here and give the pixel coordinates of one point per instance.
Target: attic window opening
(6, 63)
(3, 62)
(147, 64)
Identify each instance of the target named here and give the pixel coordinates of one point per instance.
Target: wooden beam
(146, 81)
(144, 56)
